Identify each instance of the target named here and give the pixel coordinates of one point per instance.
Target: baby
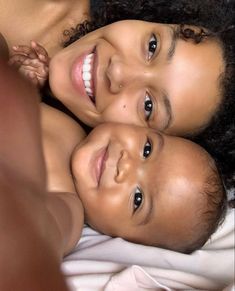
(147, 187)
(132, 182)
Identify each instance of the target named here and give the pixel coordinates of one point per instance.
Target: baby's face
(140, 185)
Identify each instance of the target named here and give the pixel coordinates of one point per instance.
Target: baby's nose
(125, 167)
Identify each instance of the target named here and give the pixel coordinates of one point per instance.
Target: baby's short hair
(214, 197)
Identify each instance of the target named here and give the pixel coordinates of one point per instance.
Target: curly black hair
(216, 17)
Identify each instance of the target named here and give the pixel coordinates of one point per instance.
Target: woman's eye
(138, 197)
(152, 46)
(147, 149)
(148, 107)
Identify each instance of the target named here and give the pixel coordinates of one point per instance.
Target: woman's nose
(122, 73)
(125, 166)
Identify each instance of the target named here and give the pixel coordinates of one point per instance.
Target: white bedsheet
(103, 263)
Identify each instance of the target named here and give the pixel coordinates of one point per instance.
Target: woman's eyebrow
(173, 43)
(169, 113)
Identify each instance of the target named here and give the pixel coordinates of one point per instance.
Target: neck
(57, 16)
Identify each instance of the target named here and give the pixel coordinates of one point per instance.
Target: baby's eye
(152, 46)
(138, 197)
(148, 106)
(147, 149)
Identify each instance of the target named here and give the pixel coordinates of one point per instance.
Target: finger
(27, 64)
(34, 63)
(41, 81)
(35, 68)
(25, 50)
(40, 51)
(40, 72)
(17, 60)
(33, 78)
(15, 64)
(43, 73)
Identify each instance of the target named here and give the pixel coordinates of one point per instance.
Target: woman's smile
(87, 76)
(83, 71)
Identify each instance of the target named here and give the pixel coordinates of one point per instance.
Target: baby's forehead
(181, 166)
(185, 147)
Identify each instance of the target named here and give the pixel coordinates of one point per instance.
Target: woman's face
(139, 73)
(134, 183)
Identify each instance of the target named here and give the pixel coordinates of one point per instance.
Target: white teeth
(87, 74)
(87, 84)
(87, 61)
(89, 91)
(86, 68)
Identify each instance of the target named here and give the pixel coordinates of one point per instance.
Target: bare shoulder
(60, 135)
(68, 213)
(60, 126)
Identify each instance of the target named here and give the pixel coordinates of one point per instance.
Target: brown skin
(22, 194)
(178, 179)
(43, 21)
(169, 178)
(131, 66)
(130, 69)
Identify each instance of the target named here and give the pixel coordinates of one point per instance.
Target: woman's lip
(99, 165)
(76, 76)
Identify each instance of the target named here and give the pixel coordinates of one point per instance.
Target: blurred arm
(29, 259)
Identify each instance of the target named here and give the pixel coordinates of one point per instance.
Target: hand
(31, 61)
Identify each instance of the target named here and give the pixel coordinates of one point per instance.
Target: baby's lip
(100, 164)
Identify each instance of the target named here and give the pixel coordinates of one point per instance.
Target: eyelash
(152, 47)
(148, 106)
(148, 103)
(138, 198)
(147, 149)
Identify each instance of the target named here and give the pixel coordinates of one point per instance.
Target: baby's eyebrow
(149, 213)
(159, 144)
